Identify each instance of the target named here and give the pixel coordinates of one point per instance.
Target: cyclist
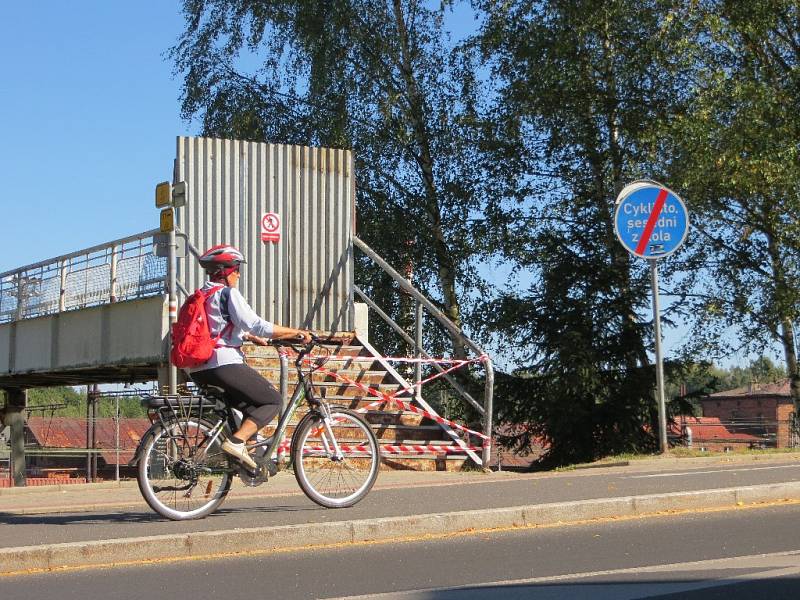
(232, 318)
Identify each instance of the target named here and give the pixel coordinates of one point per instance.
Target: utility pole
(91, 432)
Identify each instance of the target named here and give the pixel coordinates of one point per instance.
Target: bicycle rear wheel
(331, 479)
(183, 473)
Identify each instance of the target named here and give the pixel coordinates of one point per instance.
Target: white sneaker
(239, 451)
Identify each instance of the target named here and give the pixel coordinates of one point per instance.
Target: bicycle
(183, 473)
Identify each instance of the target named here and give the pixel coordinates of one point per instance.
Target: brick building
(763, 410)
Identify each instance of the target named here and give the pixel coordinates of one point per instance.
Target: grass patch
(692, 453)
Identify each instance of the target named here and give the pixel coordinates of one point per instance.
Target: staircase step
(425, 463)
(334, 389)
(334, 349)
(333, 363)
(368, 378)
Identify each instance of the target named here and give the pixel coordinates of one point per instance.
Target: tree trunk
(784, 320)
(442, 254)
(620, 260)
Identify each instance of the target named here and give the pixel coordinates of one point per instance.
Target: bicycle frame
(305, 390)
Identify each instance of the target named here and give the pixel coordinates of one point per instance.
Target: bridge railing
(124, 269)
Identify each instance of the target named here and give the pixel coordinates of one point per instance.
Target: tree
(380, 77)
(735, 153)
(63, 400)
(584, 83)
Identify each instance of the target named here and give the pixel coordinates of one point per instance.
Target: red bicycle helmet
(220, 257)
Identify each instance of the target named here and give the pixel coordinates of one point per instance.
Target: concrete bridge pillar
(16, 401)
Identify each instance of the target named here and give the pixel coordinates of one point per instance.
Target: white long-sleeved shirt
(243, 319)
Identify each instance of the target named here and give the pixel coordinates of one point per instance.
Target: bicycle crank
(266, 469)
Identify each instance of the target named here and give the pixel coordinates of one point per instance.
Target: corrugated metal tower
(304, 280)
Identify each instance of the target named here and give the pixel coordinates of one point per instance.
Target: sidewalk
(89, 497)
(109, 523)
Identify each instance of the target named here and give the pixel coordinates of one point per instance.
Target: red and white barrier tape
(391, 449)
(392, 398)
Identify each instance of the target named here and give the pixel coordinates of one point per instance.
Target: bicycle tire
(169, 472)
(327, 480)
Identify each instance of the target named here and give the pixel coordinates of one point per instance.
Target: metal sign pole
(662, 412)
(651, 222)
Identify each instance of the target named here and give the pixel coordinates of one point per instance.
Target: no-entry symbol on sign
(271, 228)
(650, 220)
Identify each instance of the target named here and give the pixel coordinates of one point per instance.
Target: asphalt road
(24, 530)
(738, 554)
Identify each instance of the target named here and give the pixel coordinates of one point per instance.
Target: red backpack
(192, 344)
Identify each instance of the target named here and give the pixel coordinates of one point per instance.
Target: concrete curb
(265, 539)
(65, 487)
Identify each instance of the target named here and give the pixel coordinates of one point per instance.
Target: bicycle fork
(328, 438)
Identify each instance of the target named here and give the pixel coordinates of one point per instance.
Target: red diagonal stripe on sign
(651, 222)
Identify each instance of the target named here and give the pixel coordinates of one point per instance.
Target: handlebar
(315, 341)
(303, 349)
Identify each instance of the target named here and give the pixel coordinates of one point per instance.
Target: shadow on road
(744, 588)
(78, 518)
(95, 518)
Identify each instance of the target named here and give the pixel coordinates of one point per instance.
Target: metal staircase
(409, 440)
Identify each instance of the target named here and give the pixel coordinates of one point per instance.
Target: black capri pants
(245, 390)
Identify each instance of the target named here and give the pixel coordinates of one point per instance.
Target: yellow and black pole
(164, 200)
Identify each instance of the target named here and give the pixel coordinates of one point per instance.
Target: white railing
(125, 269)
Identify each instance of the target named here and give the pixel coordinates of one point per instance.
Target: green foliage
(734, 153)
(66, 401)
(61, 401)
(381, 78)
(583, 84)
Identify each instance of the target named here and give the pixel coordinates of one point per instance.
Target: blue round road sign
(650, 220)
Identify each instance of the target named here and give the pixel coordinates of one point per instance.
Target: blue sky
(89, 114)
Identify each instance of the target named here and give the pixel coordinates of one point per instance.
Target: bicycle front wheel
(183, 473)
(336, 465)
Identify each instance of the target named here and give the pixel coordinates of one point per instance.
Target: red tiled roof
(756, 389)
(110, 456)
(70, 432)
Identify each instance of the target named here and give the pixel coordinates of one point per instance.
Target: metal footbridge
(95, 315)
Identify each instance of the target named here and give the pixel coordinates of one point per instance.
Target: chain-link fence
(64, 447)
(124, 269)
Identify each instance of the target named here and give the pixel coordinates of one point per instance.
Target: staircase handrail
(409, 340)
